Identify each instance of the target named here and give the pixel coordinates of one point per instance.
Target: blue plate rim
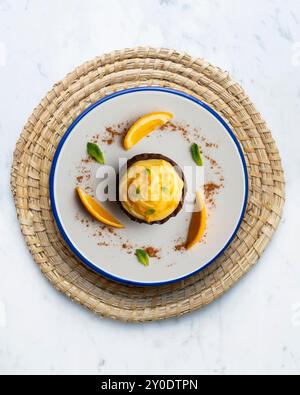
(67, 134)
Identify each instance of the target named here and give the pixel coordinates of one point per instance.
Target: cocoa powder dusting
(128, 248)
(153, 252)
(114, 132)
(180, 247)
(210, 191)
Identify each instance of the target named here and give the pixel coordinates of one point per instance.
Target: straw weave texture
(80, 89)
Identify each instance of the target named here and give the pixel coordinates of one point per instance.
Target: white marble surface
(255, 328)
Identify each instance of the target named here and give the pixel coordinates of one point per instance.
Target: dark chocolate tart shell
(143, 157)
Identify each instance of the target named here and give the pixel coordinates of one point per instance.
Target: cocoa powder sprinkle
(180, 247)
(211, 190)
(152, 252)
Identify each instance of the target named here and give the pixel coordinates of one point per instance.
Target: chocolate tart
(145, 157)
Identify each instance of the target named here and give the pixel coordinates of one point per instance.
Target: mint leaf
(197, 155)
(151, 211)
(143, 257)
(95, 152)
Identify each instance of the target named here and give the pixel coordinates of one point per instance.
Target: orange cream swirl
(151, 190)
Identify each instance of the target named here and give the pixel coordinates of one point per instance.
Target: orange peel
(198, 223)
(97, 211)
(144, 126)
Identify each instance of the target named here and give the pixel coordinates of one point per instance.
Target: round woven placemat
(80, 89)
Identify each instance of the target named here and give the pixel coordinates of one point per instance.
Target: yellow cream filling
(151, 190)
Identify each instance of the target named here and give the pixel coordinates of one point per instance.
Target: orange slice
(145, 126)
(97, 211)
(198, 223)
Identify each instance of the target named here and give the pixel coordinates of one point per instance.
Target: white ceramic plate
(112, 253)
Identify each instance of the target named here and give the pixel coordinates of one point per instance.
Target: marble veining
(255, 328)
